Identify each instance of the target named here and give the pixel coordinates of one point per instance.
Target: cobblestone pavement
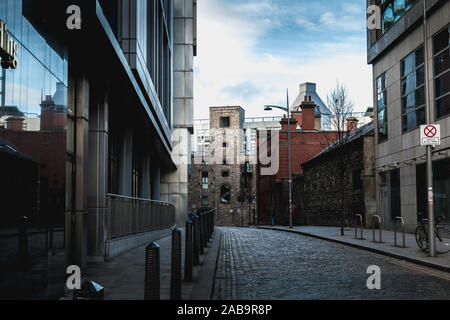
(258, 264)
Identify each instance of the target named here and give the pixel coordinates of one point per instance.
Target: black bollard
(175, 278)
(152, 273)
(196, 244)
(188, 253)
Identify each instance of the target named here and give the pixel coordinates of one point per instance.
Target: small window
(225, 174)
(224, 144)
(225, 193)
(205, 182)
(204, 201)
(224, 122)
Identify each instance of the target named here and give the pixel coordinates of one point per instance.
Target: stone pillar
(76, 239)
(144, 178)
(125, 178)
(156, 192)
(98, 176)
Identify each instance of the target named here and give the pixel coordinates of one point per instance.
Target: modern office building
(201, 140)
(97, 115)
(396, 52)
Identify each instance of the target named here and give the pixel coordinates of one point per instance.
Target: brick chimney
(15, 123)
(292, 121)
(352, 124)
(308, 108)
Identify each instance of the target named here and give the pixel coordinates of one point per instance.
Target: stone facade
(225, 167)
(338, 184)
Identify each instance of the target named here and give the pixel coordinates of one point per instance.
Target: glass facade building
(33, 123)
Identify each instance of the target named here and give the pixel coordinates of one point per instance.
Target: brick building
(223, 178)
(339, 182)
(307, 140)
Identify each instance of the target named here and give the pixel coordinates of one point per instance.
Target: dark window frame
(382, 92)
(223, 124)
(444, 97)
(414, 91)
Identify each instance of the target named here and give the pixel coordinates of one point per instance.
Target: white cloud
(227, 61)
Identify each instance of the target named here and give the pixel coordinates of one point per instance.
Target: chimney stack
(308, 108)
(15, 123)
(352, 124)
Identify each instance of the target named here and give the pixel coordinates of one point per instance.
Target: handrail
(396, 219)
(139, 199)
(361, 225)
(374, 218)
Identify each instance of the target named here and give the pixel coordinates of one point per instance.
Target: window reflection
(33, 121)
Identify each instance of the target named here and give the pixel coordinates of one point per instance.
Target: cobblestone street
(256, 264)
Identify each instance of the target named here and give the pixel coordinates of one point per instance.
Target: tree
(341, 108)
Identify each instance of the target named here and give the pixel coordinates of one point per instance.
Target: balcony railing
(129, 216)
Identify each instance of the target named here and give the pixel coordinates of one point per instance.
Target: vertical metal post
(175, 278)
(188, 253)
(289, 159)
(196, 246)
(429, 120)
(152, 272)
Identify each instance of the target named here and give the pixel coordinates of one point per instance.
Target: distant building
(307, 140)
(223, 177)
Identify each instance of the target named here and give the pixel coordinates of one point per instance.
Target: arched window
(225, 193)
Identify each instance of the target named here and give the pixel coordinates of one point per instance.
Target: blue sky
(249, 52)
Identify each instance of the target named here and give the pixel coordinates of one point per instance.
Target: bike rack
(374, 218)
(361, 225)
(403, 231)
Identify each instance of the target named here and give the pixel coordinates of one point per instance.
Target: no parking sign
(430, 135)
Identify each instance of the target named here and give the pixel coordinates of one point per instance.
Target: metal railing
(361, 226)
(396, 220)
(374, 219)
(128, 216)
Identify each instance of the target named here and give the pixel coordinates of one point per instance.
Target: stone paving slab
(123, 277)
(411, 253)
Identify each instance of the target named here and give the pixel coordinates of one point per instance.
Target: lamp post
(429, 120)
(269, 108)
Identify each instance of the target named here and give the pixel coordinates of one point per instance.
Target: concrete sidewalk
(411, 253)
(123, 277)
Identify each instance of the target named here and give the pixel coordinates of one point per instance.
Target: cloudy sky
(250, 51)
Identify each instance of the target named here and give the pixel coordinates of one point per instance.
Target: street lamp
(269, 108)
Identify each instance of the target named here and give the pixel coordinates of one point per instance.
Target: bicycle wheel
(421, 238)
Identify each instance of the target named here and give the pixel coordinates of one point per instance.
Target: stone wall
(327, 198)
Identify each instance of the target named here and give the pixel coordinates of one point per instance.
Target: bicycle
(422, 231)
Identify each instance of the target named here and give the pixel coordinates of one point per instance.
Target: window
(413, 90)
(205, 181)
(204, 201)
(392, 11)
(225, 174)
(225, 193)
(224, 122)
(441, 50)
(224, 145)
(382, 108)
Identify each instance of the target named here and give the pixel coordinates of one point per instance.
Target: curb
(393, 255)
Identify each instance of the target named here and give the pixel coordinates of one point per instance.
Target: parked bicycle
(422, 231)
